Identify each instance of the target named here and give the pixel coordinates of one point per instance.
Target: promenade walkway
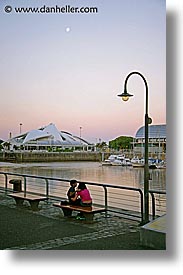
(47, 229)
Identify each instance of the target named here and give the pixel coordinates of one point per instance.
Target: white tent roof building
(48, 136)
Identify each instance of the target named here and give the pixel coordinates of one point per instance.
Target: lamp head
(125, 96)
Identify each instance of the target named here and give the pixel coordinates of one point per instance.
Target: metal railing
(126, 201)
(158, 199)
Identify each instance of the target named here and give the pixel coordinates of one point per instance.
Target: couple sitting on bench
(79, 200)
(81, 196)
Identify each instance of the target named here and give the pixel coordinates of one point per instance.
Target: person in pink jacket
(83, 193)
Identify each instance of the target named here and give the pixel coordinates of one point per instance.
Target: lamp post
(125, 96)
(80, 128)
(20, 128)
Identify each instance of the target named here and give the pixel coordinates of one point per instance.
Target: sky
(68, 69)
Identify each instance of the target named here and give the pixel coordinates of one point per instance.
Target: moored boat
(114, 160)
(136, 162)
(153, 163)
(117, 162)
(106, 162)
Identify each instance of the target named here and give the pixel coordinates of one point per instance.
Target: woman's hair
(82, 186)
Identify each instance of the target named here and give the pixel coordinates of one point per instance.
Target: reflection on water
(91, 172)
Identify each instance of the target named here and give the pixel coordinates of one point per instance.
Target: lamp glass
(125, 97)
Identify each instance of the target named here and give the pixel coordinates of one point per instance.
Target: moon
(68, 29)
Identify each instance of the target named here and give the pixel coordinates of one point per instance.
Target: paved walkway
(47, 229)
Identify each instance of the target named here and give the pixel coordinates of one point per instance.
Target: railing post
(141, 205)
(47, 188)
(25, 186)
(153, 206)
(6, 183)
(105, 193)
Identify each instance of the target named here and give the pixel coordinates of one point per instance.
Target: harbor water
(91, 172)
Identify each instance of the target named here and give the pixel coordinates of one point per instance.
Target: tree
(122, 142)
(102, 145)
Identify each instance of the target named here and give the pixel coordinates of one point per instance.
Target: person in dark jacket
(72, 193)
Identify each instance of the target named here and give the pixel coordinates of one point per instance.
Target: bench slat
(28, 197)
(85, 209)
(34, 200)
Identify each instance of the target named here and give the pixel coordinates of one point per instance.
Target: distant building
(157, 140)
(48, 138)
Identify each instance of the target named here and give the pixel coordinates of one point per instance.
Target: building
(157, 140)
(48, 138)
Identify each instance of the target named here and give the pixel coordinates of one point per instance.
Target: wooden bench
(87, 211)
(32, 199)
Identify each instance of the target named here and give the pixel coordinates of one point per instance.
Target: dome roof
(155, 131)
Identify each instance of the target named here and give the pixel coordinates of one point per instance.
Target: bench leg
(67, 212)
(34, 205)
(19, 202)
(88, 216)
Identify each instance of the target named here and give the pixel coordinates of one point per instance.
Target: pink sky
(72, 78)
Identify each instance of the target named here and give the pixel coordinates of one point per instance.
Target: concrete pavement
(47, 229)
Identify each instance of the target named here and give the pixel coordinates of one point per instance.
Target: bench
(87, 211)
(34, 200)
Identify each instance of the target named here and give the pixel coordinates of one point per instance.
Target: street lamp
(125, 96)
(80, 128)
(20, 128)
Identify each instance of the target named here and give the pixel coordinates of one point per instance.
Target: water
(91, 172)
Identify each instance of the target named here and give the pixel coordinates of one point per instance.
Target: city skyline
(68, 68)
